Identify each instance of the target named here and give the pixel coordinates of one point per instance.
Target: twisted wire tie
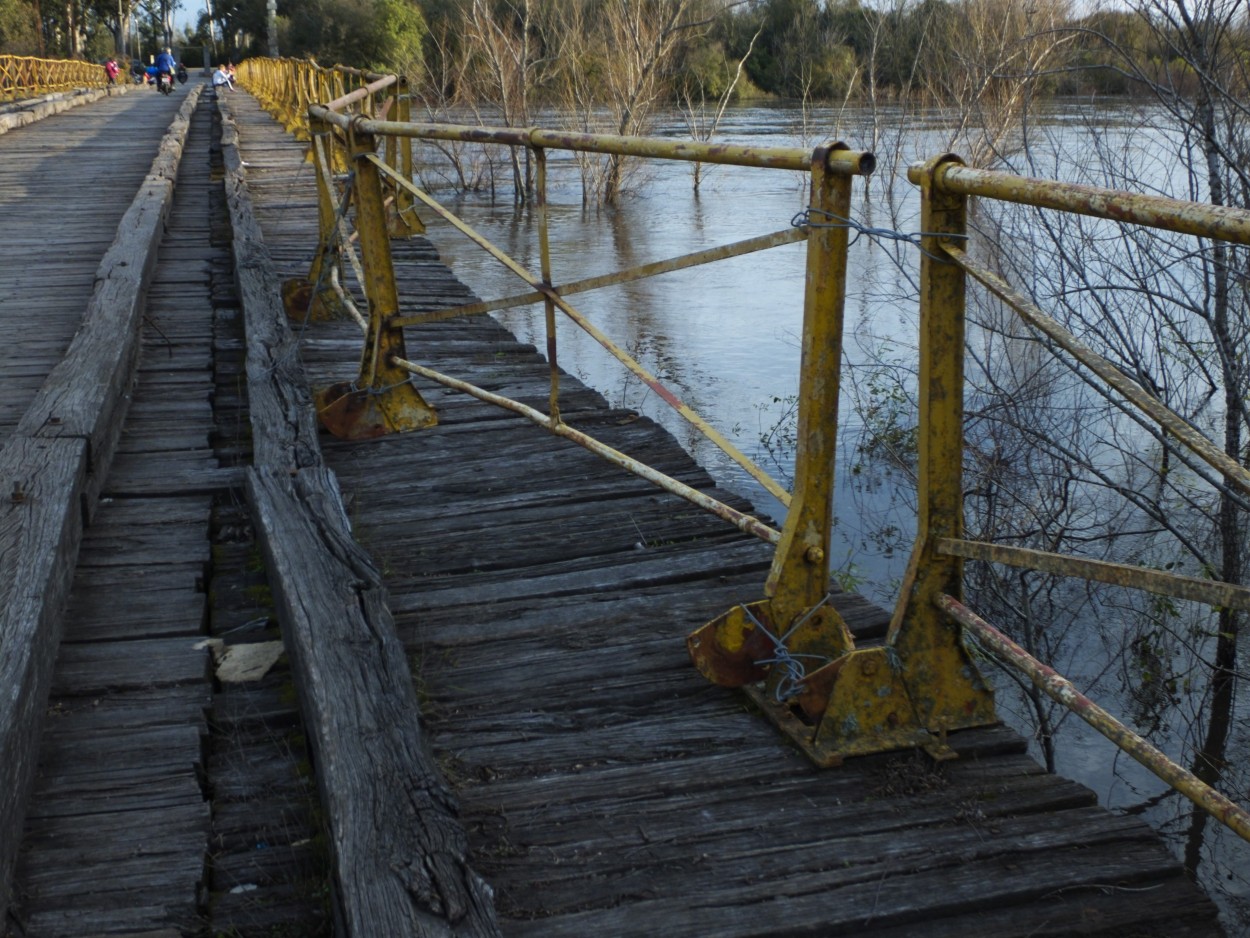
(792, 668)
(804, 219)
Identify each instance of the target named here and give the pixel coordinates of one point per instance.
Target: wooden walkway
(162, 797)
(542, 599)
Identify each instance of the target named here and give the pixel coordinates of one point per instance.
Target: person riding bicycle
(165, 65)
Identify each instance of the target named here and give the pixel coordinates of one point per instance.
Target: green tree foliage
(19, 28)
(707, 72)
(384, 34)
(800, 52)
(400, 32)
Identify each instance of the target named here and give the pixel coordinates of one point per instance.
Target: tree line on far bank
(469, 50)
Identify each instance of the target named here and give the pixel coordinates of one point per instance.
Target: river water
(725, 337)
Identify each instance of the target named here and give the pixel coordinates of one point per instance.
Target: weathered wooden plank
(39, 537)
(810, 903)
(847, 857)
(22, 113)
(117, 834)
(87, 668)
(666, 608)
(153, 613)
(400, 855)
(117, 921)
(158, 851)
(171, 783)
(843, 898)
(163, 544)
(859, 834)
(87, 388)
(1170, 908)
(786, 770)
(135, 708)
(202, 477)
(576, 574)
(285, 426)
(392, 878)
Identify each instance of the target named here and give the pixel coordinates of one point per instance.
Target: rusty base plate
(804, 735)
(352, 413)
(297, 295)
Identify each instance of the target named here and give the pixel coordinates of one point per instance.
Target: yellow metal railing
(921, 683)
(288, 87)
(25, 77)
(932, 591)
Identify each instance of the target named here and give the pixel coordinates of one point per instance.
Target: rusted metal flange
(297, 294)
(353, 413)
(727, 649)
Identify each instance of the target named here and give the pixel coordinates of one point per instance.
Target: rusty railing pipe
(1153, 211)
(1060, 689)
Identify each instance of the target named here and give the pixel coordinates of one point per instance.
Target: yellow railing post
(313, 297)
(294, 116)
(404, 221)
(382, 400)
(549, 306)
(792, 651)
(944, 685)
(799, 579)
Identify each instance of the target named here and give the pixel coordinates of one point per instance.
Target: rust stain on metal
(347, 413)
(296, 297)
(727, 650)
(1212, 592)
(1153, 211)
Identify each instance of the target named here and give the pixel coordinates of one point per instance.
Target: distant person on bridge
(222, 79)
(165, 66)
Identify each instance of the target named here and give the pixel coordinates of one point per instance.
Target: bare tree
(618, 70)
(500, 37)
(987, 67)
(703, 127)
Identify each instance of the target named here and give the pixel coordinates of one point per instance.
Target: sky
(187, 14)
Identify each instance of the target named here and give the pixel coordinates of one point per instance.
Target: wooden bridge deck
(542, 599)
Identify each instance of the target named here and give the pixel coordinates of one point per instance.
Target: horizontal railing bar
(842, 161)
(737, 249)
(690, 415)
(1113, 376)
(1154, 211)
(1062, 690)
(748, 524)
(361, 93)
(1212, 592)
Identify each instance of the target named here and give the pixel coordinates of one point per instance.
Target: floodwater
(725, 339)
